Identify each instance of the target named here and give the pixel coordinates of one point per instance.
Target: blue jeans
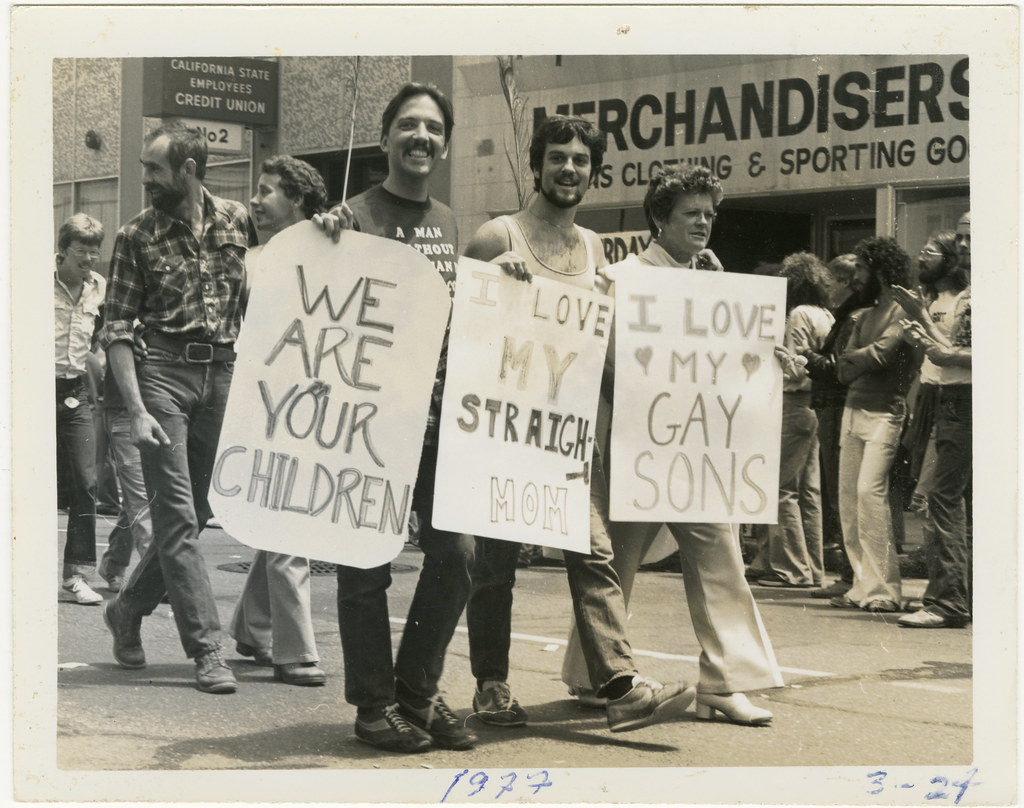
(949, 559)
(793, 549)
(597, 600)
(372, 677)
(134, 526)
(76, 441)
(188, 402)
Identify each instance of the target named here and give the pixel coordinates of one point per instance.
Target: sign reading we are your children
(336, 361)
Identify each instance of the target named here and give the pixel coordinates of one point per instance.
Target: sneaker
(928, 619)
(213, 675)
(387, 730)
(649, 702)
(83, 593)
(126, 629)
(440, 723)
(494, 704)
(588, 697)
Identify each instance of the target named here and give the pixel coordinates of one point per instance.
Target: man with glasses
(947, 599)
(77, 296)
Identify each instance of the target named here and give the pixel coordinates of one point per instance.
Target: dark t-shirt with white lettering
(428, 227)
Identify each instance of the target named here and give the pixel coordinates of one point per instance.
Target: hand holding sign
(325, 420)
(520, 397)
(698, 397)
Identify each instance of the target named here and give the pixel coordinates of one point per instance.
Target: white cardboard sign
(698, 396)
(324, 426)
(520, 400)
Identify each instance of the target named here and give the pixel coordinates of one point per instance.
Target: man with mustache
(947, 599)
(398, 706)
(179, 268)
(544, 240)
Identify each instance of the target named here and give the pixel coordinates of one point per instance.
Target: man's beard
(872, 290)
(925, 275)
(868, 293)
(167, 198)
(561, 202)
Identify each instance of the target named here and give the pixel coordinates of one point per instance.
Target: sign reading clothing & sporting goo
(780, 124)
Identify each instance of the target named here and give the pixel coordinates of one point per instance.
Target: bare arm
(491, 243)
(146, 431)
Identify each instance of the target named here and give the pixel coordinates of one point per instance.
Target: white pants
(736, 654)
(274, 609)
(867, 447)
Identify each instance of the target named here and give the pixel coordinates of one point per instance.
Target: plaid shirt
(175, 283)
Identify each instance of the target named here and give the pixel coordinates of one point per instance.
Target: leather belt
(67, 386)
(199, 353)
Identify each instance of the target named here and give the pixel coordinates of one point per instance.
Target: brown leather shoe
(299, 673)
(126, 629)
(261, 656)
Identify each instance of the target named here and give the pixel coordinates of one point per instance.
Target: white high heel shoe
(736, 707)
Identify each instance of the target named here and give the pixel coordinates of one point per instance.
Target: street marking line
(636, 651)
(928, 686)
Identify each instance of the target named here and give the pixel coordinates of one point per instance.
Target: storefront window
(229, 181)
(62, 206)
(920, 212)
(98, 198)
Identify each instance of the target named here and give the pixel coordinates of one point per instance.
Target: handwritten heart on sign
(751, 362)
(643, 356)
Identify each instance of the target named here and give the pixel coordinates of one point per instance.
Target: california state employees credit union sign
(212, 89)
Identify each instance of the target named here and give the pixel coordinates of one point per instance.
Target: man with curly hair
(947, 599)
(879, 364)
(272, 621)
(544, 240)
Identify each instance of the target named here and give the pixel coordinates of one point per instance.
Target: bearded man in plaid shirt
(179, 268)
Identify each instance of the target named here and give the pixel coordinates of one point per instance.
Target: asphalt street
(859, 689)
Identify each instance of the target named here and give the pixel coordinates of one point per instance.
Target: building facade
(815, 152)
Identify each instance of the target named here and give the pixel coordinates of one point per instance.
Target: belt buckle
(205, 353)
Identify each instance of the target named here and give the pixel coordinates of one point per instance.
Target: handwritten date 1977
(536, 781)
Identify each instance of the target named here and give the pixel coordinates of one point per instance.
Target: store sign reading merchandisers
(786, 124)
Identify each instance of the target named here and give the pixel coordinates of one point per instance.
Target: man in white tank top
(544, 240)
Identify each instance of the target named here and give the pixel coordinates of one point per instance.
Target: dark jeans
(134, 526)
(76, 447)
(830, 420)
(188, 401)
(371, 677)
(949, 559)
(597, 600)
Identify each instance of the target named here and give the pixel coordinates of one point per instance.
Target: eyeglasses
(933, 253)
(79, 252)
